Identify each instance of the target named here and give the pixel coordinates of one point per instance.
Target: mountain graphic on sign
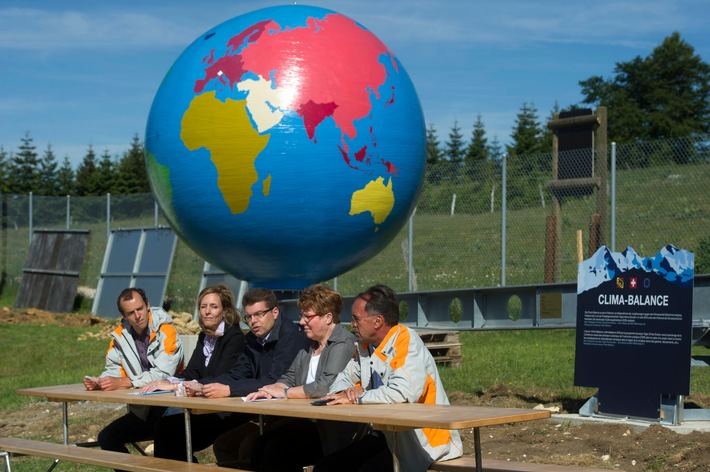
(674, 265)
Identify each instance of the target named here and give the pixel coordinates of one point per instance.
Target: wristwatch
(286, 392)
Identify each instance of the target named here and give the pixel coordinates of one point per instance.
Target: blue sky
(77, 73)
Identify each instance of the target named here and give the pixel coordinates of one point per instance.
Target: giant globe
(286, 146)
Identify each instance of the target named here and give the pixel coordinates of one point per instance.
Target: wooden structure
(444, 346)
(51, 276)
(568, 180)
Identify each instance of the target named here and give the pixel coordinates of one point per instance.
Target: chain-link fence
(654, 195)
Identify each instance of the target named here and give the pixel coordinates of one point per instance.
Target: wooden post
(572, 184)
(594, 234)
(556, 210)
(550, 249)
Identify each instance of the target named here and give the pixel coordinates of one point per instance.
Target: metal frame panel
(138, 257)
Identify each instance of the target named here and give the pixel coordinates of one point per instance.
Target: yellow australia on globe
(376, 197)
(224, 129)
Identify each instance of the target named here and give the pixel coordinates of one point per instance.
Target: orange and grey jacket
(164, 351)
(409, 375)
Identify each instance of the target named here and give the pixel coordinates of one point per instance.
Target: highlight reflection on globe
(286, 146)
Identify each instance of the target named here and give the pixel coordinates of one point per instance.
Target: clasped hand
(107, 383)
(267, 391)
(349, 395)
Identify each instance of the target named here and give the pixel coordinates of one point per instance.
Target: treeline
(26, 171)
(663, 96)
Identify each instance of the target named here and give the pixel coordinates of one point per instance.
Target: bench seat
(468, 463)
(98, 457)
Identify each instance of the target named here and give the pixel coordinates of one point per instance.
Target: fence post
(108, 216)
(68, 210)
(410, 264)
(30, 226)
(493, 197)
(503, 210)
(155, 214)
(613, 196)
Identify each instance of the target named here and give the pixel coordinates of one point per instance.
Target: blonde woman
(219, 345)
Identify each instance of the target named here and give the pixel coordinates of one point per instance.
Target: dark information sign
(634, 328)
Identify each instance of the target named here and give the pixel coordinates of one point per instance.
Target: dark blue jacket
(263, 365)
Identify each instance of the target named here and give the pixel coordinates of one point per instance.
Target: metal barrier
(511, 307)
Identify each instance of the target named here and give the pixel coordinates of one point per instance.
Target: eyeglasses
(258, 315)
(307, 318)
(358, 320)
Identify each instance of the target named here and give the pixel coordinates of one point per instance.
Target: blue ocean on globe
(286, 146)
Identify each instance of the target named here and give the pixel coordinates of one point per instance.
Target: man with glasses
(270, 347)
(392, 365)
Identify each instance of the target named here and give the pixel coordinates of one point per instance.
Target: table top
(383, 416)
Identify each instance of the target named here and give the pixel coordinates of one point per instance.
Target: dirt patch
(41, 317)
(182, 321)
(554, 441)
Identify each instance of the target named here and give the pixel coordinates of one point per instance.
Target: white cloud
(36, 29)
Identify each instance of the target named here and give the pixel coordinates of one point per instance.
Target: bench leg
(54, 464)
(188, 435)
(65, 422)
(6, 466)
(477, 448)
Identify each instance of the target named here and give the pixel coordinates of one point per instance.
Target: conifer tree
(24, 174)
(4, 171)
(477, 149)
(106, 173)
(433, 149)
(87, 175)
(495, 151)
(455, 147)
(527, 133)
(65, 179)
(133, 177)
(49, 184)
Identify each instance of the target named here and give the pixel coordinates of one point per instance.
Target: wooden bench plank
(98, 457)
(468, 463)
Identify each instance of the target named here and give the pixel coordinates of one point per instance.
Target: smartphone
(195, 387)
(321, 401)
(95, 380)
